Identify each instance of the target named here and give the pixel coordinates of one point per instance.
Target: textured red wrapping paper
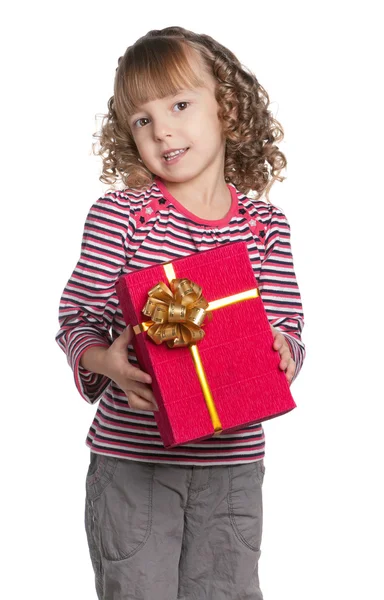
(237, 352)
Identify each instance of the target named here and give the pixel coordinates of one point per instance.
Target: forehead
(156, 76)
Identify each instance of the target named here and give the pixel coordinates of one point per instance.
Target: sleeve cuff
(90, 385)
(297, 353)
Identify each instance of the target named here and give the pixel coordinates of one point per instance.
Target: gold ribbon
(177, 316)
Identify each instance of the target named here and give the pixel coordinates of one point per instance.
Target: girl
(189, 133)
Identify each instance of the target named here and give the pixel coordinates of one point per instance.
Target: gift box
(205, 339)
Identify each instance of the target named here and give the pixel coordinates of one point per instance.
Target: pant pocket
(122, 513)
(245, 503)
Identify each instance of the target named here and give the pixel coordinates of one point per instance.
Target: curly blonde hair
(156, 66)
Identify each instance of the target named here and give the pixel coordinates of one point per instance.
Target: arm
(88, 302)
(278, 286)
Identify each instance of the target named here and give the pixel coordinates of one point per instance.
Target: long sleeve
(278, 286)
(88, 302)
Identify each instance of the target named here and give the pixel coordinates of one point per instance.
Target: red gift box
(241, 381)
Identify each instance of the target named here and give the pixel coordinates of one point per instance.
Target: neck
(207, 189)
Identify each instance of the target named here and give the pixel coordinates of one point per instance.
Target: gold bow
(177, 313)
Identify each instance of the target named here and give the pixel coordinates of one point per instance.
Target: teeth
(173, 153)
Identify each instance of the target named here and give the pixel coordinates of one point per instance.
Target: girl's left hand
(287, 363)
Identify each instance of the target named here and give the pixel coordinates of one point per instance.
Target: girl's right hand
(133, 381)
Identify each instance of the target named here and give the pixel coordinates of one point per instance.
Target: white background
(320, 63)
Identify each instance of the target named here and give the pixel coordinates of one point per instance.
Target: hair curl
(157, 66)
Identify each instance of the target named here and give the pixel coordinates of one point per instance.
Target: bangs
(158, 68)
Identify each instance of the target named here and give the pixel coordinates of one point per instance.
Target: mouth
(174, 156)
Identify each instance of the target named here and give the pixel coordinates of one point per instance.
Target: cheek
(139, 141)
(145, 149)
(206, 128)
(214, 125)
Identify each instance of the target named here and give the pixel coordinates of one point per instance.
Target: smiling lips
(174, 155)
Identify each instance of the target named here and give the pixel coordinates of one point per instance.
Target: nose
(161, 129)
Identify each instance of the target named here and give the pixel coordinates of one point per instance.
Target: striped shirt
(131, 229)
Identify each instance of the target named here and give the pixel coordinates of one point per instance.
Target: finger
(143, 391)
(286, 354)
(138, 403)
(290, 371)
(277, 344)
(291, 368)
(137, 374)
(279, 341)
(286, 357)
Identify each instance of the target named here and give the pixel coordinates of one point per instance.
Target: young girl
(189, 133)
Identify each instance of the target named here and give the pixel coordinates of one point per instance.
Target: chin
(179, 178)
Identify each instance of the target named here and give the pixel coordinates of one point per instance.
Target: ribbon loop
(177, 313)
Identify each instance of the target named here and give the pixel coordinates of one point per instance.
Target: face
(187, 120)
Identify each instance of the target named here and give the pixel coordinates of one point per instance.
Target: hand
(133, 381)
(287, 363)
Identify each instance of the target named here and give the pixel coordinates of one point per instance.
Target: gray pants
(164, 532)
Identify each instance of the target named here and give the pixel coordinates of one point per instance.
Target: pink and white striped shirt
(132, 229)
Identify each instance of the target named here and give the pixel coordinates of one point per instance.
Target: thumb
(127, 335)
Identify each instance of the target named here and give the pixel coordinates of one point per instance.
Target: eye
(178, 104)
(138, 121)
